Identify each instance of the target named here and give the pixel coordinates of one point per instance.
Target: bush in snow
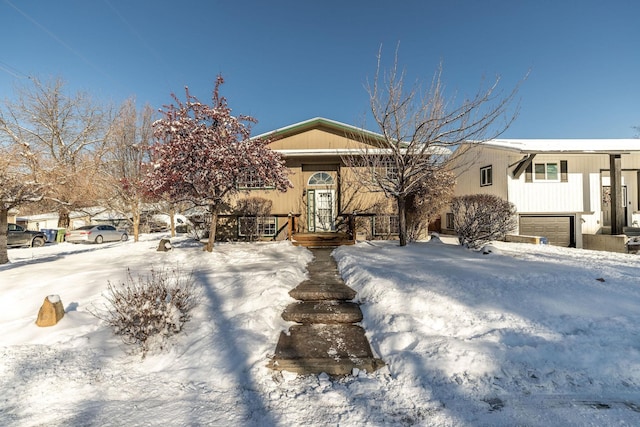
(251, 213)
(147, 309)
(481, 218)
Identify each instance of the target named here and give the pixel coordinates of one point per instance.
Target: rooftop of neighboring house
(577, 146)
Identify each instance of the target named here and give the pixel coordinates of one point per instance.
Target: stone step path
(325, 338)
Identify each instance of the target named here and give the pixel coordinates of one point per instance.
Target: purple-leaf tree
(203, 155)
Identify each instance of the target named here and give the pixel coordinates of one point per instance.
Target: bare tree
(421, 132)
(129, 141)
(62, 137)
(16, 188)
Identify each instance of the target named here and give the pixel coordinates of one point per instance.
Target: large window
(486, 176)
(257, 226)
(384, 225)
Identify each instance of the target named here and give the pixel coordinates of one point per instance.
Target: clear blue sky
(285, 61)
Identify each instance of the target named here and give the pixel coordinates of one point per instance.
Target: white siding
(581, 195)
(547, 197)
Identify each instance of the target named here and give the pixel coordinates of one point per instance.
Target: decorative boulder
(51, 311)
(164, 245)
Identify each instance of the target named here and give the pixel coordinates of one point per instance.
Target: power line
(12, 70)
(56, 38)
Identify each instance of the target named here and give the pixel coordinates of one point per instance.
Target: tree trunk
(172, 219)
(402, 219)
(4, 256)
(212, 228)
(63, 219)
(135, 214)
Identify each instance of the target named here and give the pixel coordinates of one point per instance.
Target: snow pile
(528, 335)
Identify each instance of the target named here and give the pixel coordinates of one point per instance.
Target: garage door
(557, 229)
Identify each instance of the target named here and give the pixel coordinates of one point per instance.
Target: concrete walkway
(325, 338)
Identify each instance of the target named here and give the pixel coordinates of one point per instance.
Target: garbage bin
(50, 234)
(60, 235)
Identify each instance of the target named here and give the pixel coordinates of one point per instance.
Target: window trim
(449, 223)
(546, 171)
(327, 182)
(387, 224)
(486, 179)
(247, 182)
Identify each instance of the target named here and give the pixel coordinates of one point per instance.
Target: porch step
(321, 240)
(326, 340)
(333, 349)
(325, 291)
(325, 312)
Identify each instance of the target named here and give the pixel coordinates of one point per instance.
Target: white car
(96, 234)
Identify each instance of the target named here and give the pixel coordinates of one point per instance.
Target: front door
(321, 213)
(606, 205)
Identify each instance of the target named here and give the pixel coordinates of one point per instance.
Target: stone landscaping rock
(164, 245)
(51, 311)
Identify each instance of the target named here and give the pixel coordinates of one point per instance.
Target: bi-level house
(566, 190)
(327, 191)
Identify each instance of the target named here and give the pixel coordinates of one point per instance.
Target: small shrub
(481, 218)
(147, 309)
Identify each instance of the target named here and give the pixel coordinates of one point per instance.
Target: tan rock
(164, 245)
(51, 311)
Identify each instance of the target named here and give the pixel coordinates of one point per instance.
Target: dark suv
(18, 236)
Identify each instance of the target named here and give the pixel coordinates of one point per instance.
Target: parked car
(19, 236)
(95, 234)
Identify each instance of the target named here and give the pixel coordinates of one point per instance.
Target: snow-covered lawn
(525, 335)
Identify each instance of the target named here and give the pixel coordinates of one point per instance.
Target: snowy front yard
(526, 335)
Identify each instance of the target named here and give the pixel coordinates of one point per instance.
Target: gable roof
(569, 146)
(320, 123)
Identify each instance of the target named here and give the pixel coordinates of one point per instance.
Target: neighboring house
(562, 189)
(325, 190)
(11, 216)
(78, 219)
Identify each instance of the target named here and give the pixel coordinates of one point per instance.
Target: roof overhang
(439, 151)
(567, 146)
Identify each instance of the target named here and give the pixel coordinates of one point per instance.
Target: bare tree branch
(421, 132)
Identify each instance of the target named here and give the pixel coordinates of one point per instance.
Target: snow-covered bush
(481, 218)
(147, 309)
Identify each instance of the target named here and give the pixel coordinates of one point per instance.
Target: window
(449, 222)
(384, 170)
(321, 178)
(486, 176)
(548, 172)
(250, 180)
(257, 226)
(390, 170)
(386, 225)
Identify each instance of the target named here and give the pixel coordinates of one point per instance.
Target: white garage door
(557, 229)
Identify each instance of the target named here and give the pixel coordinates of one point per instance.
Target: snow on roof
(596, 146)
